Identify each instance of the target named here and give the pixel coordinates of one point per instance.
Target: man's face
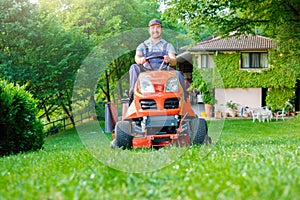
(155, 31)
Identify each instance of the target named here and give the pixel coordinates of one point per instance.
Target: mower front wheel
(199, 129)
(123, 135)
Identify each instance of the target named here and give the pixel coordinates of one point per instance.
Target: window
(205, 61)
(254, 60)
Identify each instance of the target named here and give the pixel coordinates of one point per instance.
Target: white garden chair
(280, 114)
(261, 114)
(255, 115)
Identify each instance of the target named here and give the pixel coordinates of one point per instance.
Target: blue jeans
(135, 70)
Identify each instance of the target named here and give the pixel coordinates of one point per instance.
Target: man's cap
(154, 22)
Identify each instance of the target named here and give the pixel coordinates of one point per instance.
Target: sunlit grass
(249, 161)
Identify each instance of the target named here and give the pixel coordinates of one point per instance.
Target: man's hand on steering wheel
(143, 60)
(166, 59)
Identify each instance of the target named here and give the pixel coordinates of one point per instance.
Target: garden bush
(20, 129)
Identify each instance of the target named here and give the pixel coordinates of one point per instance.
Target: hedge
(20, 129)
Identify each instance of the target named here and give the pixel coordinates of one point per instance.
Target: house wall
(250, 97)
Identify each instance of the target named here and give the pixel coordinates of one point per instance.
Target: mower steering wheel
(163, 64)
(152, 57)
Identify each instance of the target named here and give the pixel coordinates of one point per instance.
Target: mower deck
(161, 140)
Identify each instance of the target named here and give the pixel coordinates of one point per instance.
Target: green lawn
(248, 161)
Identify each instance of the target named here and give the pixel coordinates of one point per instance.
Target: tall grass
(249, 161)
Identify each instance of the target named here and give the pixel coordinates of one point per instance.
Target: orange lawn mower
(158, 115)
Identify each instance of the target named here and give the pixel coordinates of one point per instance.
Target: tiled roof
(243, 42)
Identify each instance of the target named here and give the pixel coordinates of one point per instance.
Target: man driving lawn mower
(154, 46)
(158, 113)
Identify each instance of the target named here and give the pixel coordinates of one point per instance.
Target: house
(238, 68)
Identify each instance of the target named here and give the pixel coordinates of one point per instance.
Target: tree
(44, 45)
(227, 16)
(278, 19)
(17, 26)
(105, 20)
(39, 52)
(54, 65)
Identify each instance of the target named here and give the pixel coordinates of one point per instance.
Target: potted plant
(208, 98)
(291, 104)
(232, 107)
(207, 92)
(289, 108)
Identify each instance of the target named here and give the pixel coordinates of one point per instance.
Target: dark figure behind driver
(154, 46)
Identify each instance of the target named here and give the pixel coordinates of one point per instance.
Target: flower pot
(246, 115)
(225, 114)
(218, 114)
(208, 110)
(233, 113)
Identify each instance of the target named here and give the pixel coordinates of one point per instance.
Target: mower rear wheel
(199, 129)
(123, 137)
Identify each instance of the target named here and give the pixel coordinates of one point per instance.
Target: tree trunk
(107, 86)
(119, 78)
(46, 112)
(68, 113)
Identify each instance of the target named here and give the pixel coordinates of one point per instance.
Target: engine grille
(171, 103)
(148, 104)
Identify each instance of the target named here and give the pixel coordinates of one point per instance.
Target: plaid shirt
(158, 47)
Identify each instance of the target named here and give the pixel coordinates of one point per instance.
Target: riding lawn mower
(158, 114)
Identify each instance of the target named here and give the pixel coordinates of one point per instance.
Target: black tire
(199, 131)
(123, 135)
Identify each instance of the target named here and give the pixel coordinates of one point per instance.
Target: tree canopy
(43, 45)
(223, 16)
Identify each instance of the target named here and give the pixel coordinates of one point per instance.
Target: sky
(34, 1)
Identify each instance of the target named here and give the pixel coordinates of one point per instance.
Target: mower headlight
(146, 86)
(172, 85)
